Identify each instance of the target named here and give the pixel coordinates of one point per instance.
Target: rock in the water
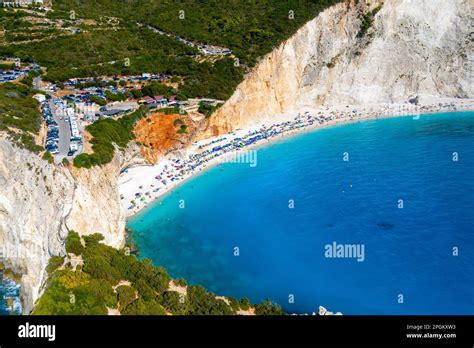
(324, 311)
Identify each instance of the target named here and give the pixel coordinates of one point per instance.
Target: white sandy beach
(140, 186)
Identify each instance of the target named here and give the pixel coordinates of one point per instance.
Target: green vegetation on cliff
(19, 115)
(207, 109)
(99, 278)
(108, 133)
(367, 21)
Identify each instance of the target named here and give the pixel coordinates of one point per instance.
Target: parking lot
(58, 139)
(64, 132)
(52, 137)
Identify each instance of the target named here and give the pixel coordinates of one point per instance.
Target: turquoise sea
(405, 196)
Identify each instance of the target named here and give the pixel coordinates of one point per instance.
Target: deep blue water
(408, 251)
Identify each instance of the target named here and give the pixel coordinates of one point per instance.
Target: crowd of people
(204, 154)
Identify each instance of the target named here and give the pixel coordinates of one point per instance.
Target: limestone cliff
(421, 47)
(40, 203)
(32, 215)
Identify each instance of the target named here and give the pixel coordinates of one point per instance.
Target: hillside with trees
(249, 28)
(20, 117)
(91, 38)
(95, 279)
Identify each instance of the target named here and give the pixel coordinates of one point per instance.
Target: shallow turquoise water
(407, 251)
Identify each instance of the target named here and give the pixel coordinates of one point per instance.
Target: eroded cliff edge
(40, 203)
(422, 47)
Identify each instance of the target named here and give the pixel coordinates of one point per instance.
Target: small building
(146, 100)
(161, 101)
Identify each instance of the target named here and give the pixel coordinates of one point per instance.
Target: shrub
(154, 88)
(202, 302)
(367, 21)
(234, 303)
(54, 263)
(73, 243)
(93, 238)
(115, 96)
(126, 295)
(98, 267)
(157, 277)
(171, 300)
(145, 291)
(56, 300)
(94, 296)
(141, 307)
(98, 100)
(178, 122)
(244, 303)
(183, 129)
(48, 157)
(207, 109)
(268, 308)
(83, 161)
(20, 116)
(181, 282)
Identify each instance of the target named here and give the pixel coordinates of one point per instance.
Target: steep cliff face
(95, 203)
(40, 203)
(420, 47)
(32, 215)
